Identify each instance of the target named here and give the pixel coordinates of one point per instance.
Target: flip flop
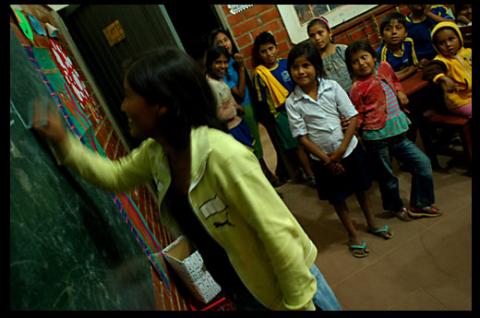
(382, 232)
(360, 250)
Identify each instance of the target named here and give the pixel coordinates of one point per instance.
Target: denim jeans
(324, 298)
(414, 161)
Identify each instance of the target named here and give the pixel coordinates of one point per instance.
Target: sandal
(403, 214)
(428, 211)
(359, 251)
(383, 232)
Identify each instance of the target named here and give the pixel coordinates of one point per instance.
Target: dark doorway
(145, 28)
(193, 23)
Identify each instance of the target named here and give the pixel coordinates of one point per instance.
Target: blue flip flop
(381, 232)
(359, 250)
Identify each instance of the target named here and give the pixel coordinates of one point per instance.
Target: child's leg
(364, 202)
(379, 151)
(343, 214)
(354, 241)
(422, 194)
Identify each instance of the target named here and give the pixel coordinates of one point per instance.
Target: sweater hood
(446, 24)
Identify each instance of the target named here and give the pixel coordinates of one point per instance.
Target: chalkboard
(69, 248)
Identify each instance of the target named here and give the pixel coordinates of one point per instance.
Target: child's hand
(402, 98)
(337, 155)
(448, 85)
(52, 126)
(238, 58)
(423, 63)
(336, 168)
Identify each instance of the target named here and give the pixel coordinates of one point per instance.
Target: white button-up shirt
(320, 119)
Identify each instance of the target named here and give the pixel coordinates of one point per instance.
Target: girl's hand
(336, 168)
(337, 155)
(448, 85)
(402, 98)
(238, 58)
(50, 127)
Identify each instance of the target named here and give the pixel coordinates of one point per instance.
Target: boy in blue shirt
(420, 23)
(397, 49)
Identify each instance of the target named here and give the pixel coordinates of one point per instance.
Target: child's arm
(428, 12)
(435, 72)
(239, 89)
(337, 155)
(313, 148)
(406, 72)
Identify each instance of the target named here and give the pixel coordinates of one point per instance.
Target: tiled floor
(425, 266)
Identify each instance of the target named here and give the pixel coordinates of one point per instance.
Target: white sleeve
(295, 119)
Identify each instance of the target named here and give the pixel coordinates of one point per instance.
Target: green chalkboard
(69, 247)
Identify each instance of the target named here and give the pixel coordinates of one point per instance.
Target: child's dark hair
(261, 39)
(354, 47)
(308, 50)
(213, 34)
(320, 20)
(171, 78)
(212, 54)
(393, 16)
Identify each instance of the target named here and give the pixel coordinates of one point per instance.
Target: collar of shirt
(323, 86)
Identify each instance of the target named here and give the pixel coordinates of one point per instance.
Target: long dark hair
(212, 54)
(171, 78)
(213, 34)
(307, 49)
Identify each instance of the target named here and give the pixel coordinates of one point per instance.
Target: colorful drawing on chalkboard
(77, 85)
(37, 25)
(24, 25)
(79, 124)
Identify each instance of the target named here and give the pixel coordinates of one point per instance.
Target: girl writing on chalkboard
(210, 185)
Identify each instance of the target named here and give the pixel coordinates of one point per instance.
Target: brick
(273, 26)
(256, 10)
(270, 15)
(283, 47)
(281, 35)
(244, 40)
(235, 19)
(246, 27)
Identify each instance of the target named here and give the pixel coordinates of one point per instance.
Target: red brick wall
(247, 24)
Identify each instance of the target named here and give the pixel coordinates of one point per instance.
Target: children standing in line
(237, 80)
(339, 161)
(216, 63)
(452, 68)
(397, 49)
(333, 55)
(273, 84)
(377, 94)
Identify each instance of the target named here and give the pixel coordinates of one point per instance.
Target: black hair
(261, 39)
(213, 34)
(212, 54)
(393, 16)
(321, 21)
(354, 47)
(308, 50)
(169, 77)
